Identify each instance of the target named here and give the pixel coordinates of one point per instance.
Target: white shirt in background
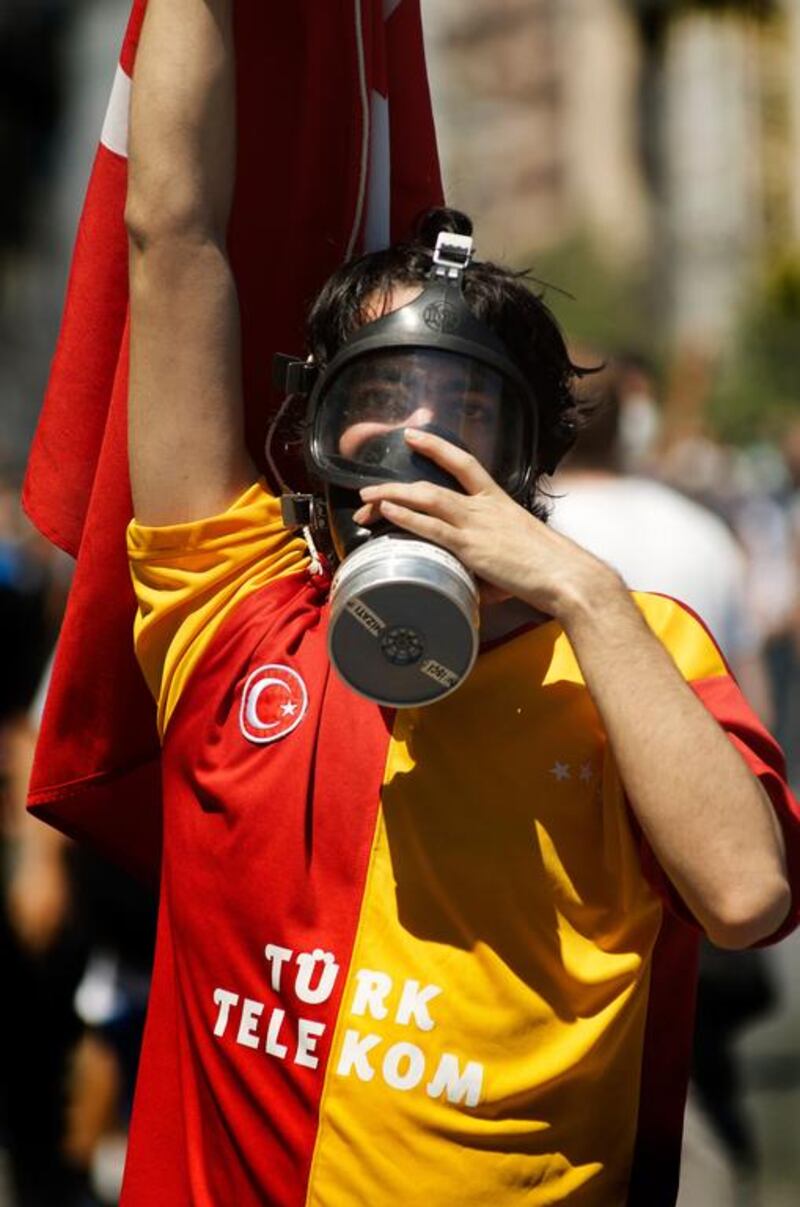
(659, 540)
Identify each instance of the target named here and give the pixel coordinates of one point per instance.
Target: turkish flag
(337, 154)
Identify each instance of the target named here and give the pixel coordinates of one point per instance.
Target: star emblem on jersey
(561, 771)
(274, 702)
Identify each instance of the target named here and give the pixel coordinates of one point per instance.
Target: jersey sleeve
(699, 660)
(188, 578)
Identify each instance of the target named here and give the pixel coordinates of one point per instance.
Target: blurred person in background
(767, 518)
(653, 535)
(756, 490)
(788, 690)
(640, 420)
(661, 541)
(41, 951)
(116, 918)
(77, 935)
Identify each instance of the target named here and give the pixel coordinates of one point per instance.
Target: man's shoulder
(684, 633)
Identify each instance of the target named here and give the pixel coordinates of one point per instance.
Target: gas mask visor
(364, 410)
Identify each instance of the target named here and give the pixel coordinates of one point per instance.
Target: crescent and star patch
(274, 702)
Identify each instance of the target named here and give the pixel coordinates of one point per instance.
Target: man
(425, 956)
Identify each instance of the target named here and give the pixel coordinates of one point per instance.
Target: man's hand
(706, 817)
(501, 543)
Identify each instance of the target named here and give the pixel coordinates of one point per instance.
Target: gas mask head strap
(451, 256)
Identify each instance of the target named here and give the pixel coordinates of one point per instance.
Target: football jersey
(420, 957)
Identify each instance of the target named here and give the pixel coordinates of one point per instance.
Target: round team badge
(274, 702)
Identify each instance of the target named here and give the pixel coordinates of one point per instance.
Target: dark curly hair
(498, 296)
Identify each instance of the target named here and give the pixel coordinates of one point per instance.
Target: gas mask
(404, 612)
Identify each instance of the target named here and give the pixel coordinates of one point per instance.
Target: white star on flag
(288, 710)
(561, 771)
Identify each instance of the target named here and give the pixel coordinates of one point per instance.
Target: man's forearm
(187, 452)
(708, 820)
(182, 144)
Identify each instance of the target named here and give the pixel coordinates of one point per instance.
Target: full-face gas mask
(404, 612)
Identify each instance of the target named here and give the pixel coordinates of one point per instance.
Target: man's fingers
(465, 468)
(425, 526)
(418, 523)
(423, 497)
(367, 514)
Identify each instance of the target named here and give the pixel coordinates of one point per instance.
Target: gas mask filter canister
(404, 613)
(404, 621)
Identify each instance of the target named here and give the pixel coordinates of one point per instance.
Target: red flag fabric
(337, 153)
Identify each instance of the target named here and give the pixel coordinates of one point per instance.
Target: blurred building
(667, 134)
(536, 108)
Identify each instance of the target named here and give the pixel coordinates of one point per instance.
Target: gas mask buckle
(302, 511)
(452, 255)
(291, 375)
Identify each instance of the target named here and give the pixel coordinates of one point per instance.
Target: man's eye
(395, 408)
(477, 412)
(373, 400)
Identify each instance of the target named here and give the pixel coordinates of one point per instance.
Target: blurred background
(642, 158)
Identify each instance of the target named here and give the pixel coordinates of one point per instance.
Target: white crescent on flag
(363, 174)
(114, 134)
(378, 224)
(376, 184)
(377, 229)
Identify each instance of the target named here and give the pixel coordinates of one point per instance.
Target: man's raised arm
(187, 453)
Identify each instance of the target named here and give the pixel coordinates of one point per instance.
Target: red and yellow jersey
(418, 958)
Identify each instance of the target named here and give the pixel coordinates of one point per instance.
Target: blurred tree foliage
(609, 310)
(598, 304)
(758, 389)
